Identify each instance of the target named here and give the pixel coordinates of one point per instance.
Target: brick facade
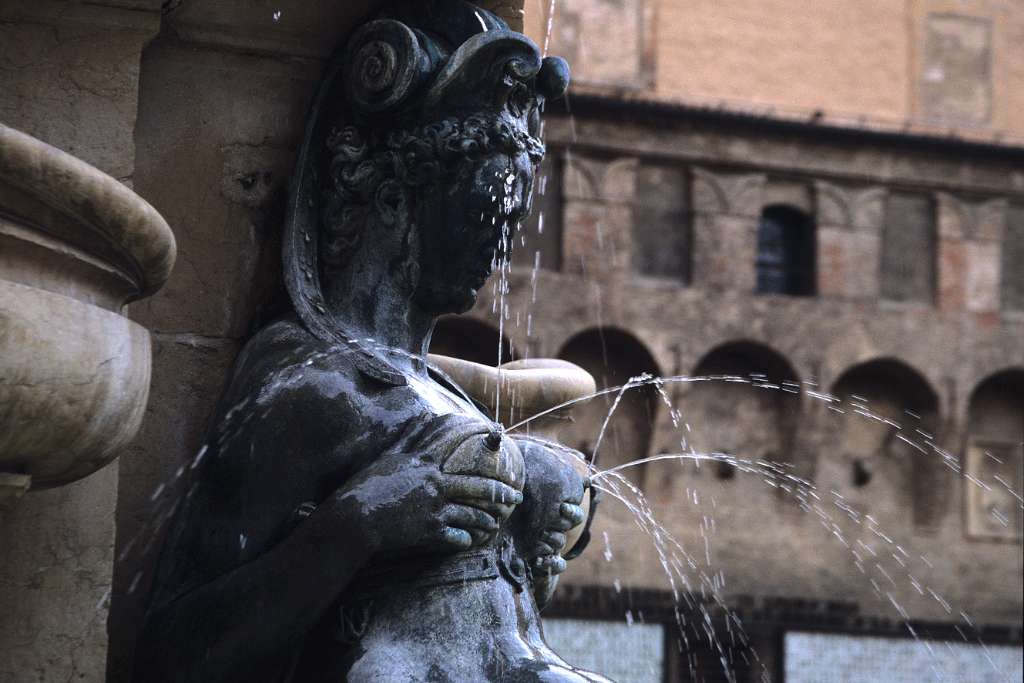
(827, 369)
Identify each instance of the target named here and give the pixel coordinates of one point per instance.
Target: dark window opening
(725, 470)
(661, 223)
(1013, 260)
(908, 249)
(785, 252)
(861, 475)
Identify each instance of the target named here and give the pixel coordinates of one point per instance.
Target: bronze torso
(323, 413)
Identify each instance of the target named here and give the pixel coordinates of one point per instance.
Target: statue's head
(424, 140)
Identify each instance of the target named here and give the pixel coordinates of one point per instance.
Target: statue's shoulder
(284, 358)
(285, 381)
(284, 345)
(279, 342)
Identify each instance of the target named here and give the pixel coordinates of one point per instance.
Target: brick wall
(937, 63)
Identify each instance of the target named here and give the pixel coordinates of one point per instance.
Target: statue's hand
(545, 555)
(406, 504)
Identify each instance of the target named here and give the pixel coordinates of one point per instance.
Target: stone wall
(936, 63)
(69, 75)
(222, 100)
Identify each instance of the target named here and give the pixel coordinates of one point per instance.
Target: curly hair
(361, 160)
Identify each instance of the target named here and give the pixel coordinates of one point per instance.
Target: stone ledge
(141, 15)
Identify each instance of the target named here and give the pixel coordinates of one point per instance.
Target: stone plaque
(993, 508)
(956, 73)
(604, 40)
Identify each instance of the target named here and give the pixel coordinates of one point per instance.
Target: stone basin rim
(93, 199)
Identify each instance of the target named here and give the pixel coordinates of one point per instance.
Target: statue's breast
(486, 453)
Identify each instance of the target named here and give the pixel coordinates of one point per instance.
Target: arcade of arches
(881, 433)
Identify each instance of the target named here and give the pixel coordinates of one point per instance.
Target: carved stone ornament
(854, 209)
(75, 246)
(356, 514)
(735, 194)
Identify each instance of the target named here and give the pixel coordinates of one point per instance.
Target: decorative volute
(76, 245)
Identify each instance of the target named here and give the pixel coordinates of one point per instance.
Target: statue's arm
(232, 625)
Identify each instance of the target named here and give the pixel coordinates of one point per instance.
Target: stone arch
(752, 419)
(989, 412)
(859, 344)
(896, 382)
(613, 356)
(471, 339)
(884, 445)
(1005, 356)
(994, 454)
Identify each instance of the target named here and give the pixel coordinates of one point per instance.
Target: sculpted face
(467, 227)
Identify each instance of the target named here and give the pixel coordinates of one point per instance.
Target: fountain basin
(76, 245)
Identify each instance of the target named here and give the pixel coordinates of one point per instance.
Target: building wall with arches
(866, 386)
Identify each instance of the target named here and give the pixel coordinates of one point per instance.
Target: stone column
(69, 76)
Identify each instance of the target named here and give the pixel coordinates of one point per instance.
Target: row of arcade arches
(730, 417)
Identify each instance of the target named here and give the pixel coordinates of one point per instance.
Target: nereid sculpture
(354, 515)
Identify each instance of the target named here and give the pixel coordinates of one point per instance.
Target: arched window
(1013, 257)
(908, 249)
(785, 252)
(469, 339)
(887, 406)
(995, 456)
(661, 222)
(750, 420)
(613, 357)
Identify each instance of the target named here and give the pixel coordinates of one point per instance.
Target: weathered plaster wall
(69, 76)
(933, 62)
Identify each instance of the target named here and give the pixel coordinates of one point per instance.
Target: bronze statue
(356, 516)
